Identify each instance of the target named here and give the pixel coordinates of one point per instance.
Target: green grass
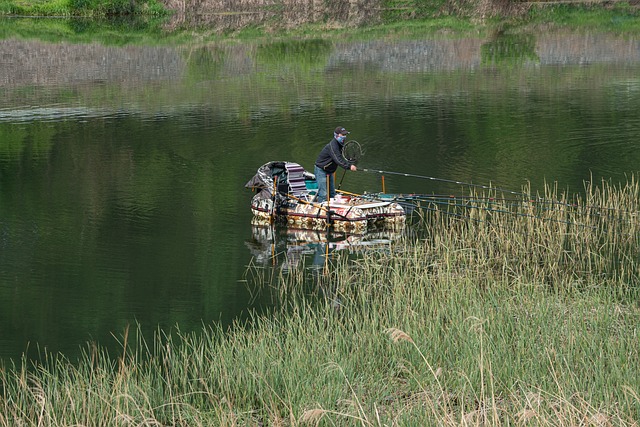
(122, 31)
(619, 18)
(91, 8)
(520, 318)
(400, 20)
(39, 8)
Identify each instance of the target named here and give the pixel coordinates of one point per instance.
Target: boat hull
(352, 215)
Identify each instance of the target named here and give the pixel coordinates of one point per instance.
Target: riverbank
(175, 21)
(528, 317)
(86, 8)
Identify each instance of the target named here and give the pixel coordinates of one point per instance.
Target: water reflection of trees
(224, 16)
(32, 63)
(509, 49)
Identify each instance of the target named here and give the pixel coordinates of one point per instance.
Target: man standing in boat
(327, 163)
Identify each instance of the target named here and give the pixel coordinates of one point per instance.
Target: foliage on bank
(399, 11)
(166, 21)
(91, 8)
(515, 314)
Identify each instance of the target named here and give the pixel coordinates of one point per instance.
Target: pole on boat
(383, 189)
(273, 202)
(349, 193)
(328, 201)
(326, 258)
(273, 249)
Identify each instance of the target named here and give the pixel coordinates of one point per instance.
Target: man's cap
(341, 130)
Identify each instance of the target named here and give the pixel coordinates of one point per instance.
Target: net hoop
(352, 151)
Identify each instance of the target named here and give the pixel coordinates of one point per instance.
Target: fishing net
(352, 151)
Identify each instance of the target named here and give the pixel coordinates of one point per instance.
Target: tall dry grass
(511, 314)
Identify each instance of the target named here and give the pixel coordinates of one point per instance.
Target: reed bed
(511, 314)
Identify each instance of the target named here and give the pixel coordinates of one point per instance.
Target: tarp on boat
(288, 177)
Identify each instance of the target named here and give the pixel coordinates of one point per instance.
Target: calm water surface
(122, 168)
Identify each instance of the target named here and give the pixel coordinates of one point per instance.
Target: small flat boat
(286, 193)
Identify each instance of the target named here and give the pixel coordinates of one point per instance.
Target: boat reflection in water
(308, 255)
(289, 247)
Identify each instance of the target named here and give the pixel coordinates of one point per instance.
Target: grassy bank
(518, 318)
(213, 20)
(91, 8)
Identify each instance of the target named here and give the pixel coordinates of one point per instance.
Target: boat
(286, 194)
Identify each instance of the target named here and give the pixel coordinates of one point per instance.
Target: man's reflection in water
(312, 253)
(320, 256)
(319, 244)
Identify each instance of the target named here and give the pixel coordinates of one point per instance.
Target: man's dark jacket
(331, 157)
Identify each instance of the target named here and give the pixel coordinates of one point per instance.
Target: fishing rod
(539, 209)
(416, 200)
(450, 181)
(470, 201)
(457, 199)
(435, 208)
(541, 204)
(427, 197)
(352, 151)
(603, 210)
(355, 152)
(413, 201)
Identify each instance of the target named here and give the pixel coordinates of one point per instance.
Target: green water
(122, 167)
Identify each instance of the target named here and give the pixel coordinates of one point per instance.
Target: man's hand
(353, 168)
